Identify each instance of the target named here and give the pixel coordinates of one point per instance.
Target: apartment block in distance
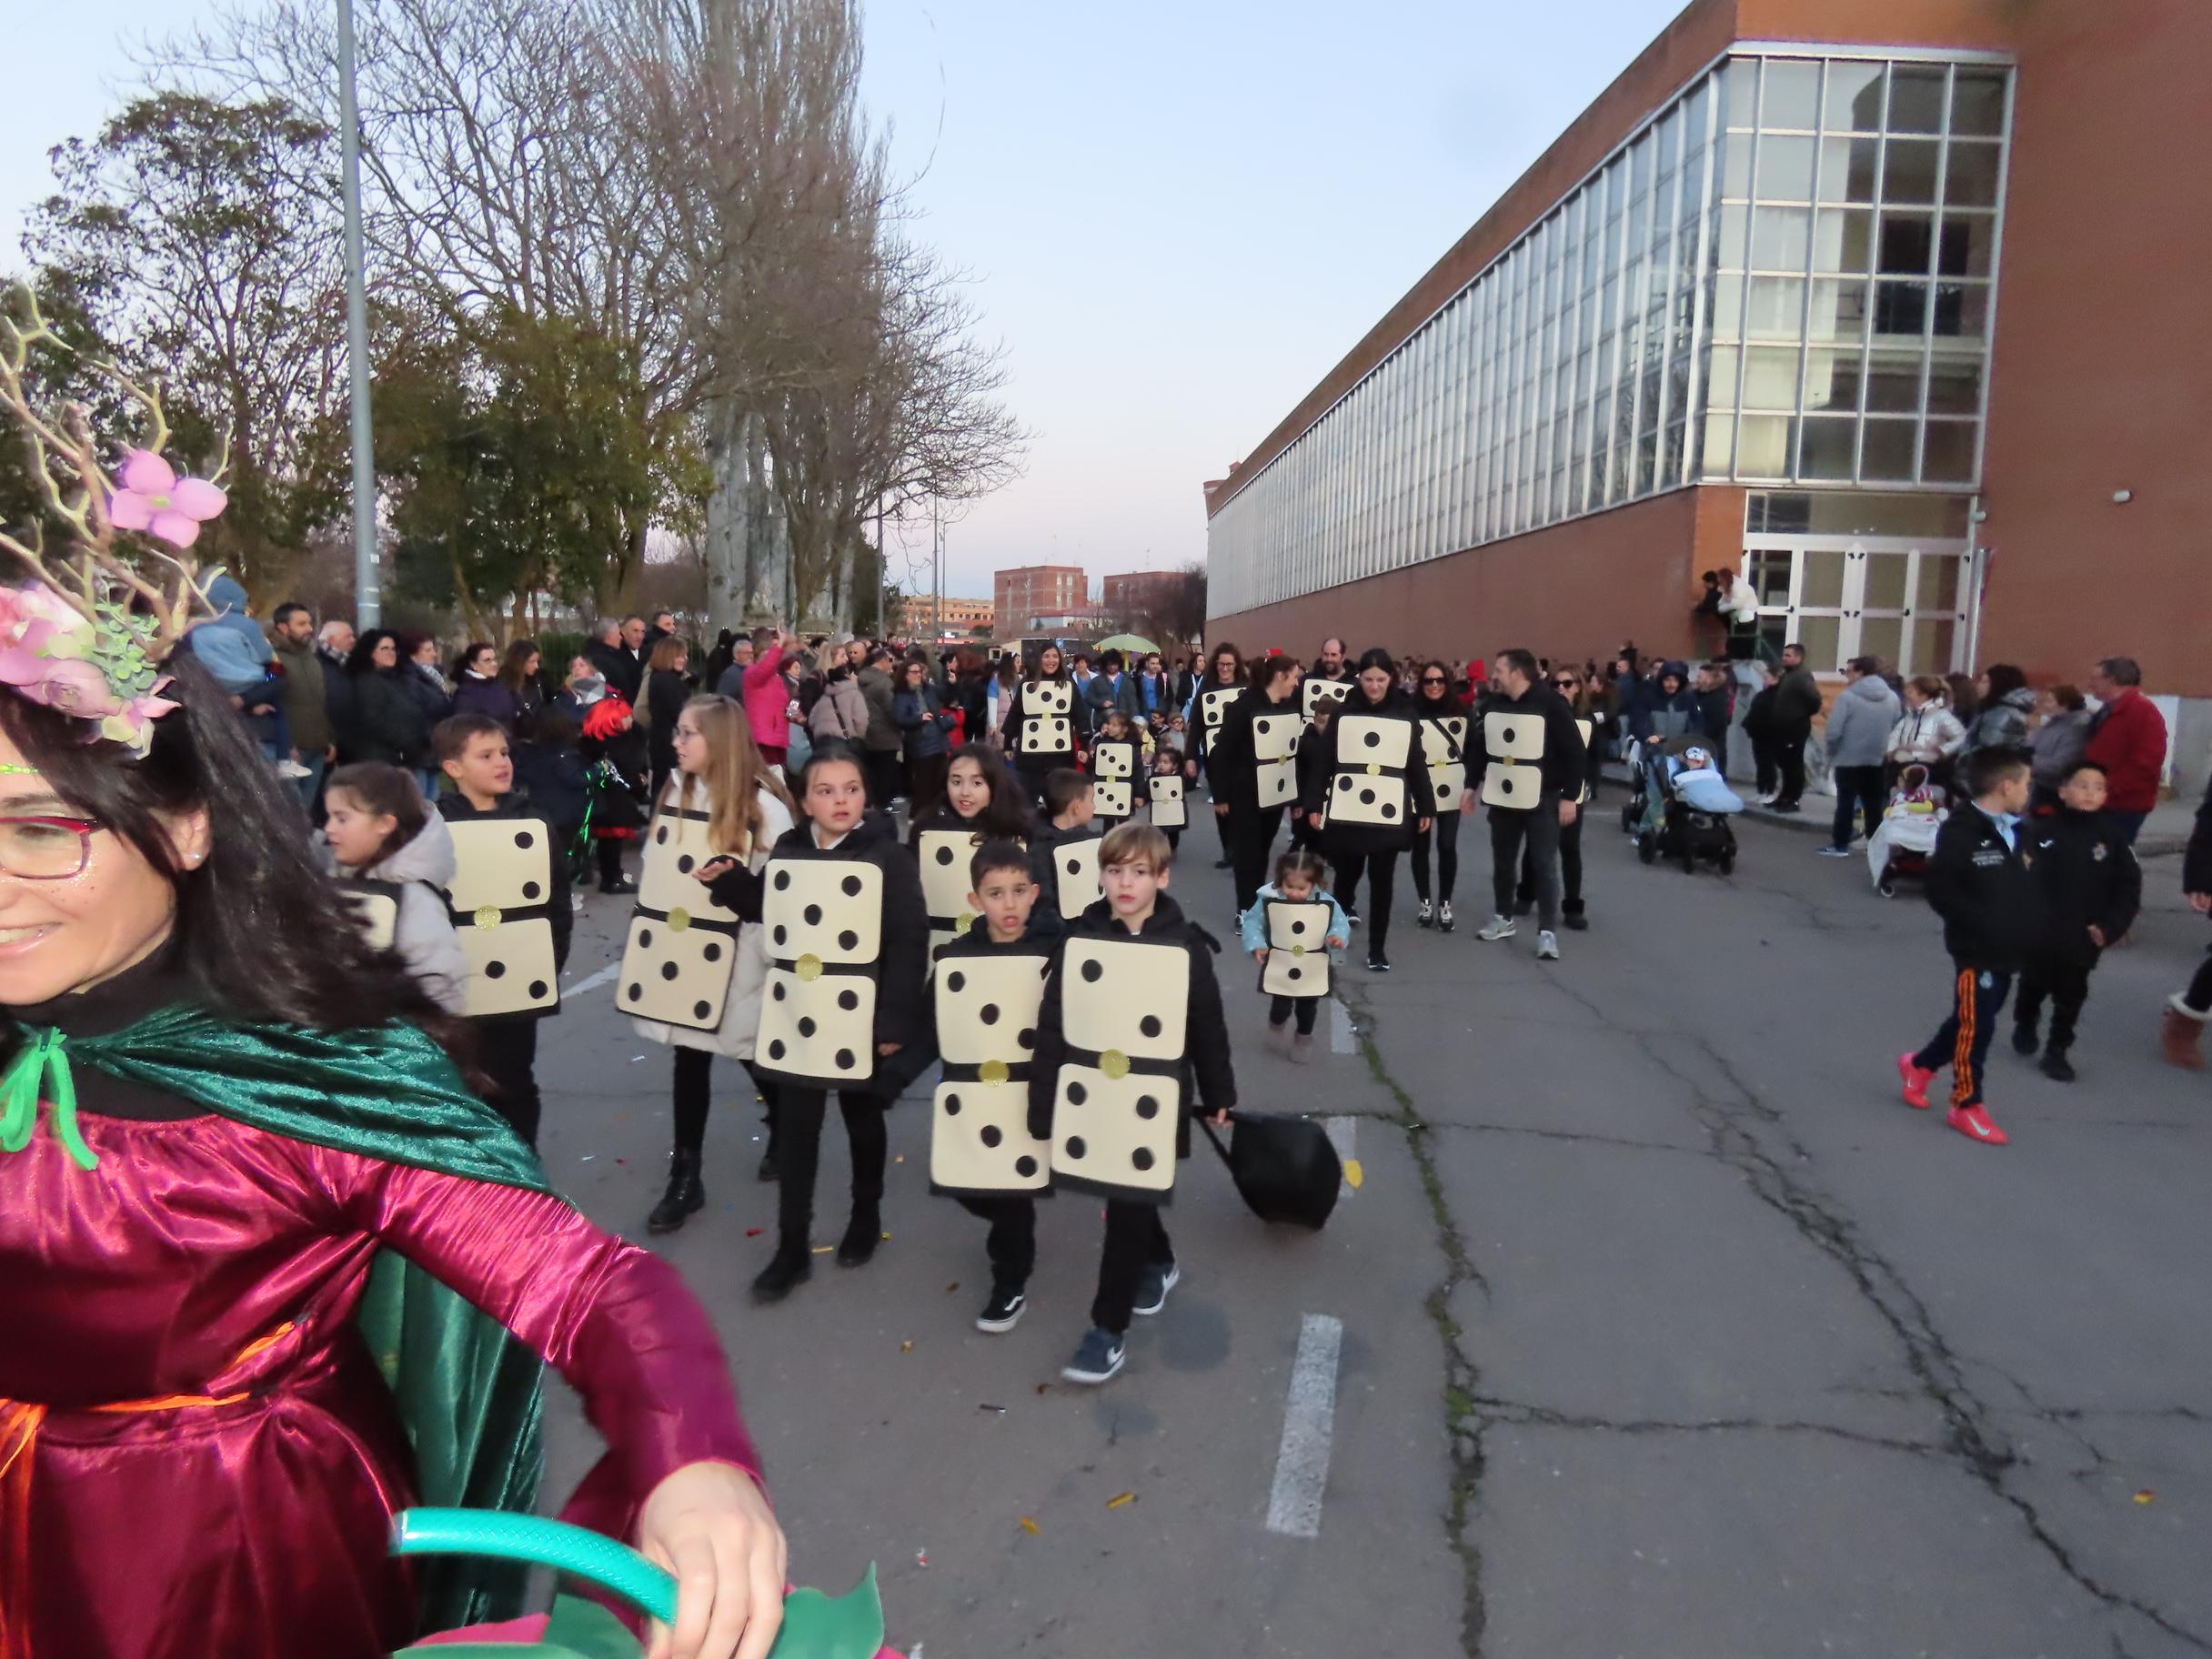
(958, 616)
(1896, 307)
(1022, 595)
(1131, 593)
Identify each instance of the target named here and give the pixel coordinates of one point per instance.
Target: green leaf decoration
(816, 1627)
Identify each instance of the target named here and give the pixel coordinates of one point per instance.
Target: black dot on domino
(851, 886)
(1367, 798)
(956, 982)
(848, 999)
(645, 938)
(952, 1105)
(805, 1028)
(1149, 1025)
(1025, 1166)
(779, 932)
(847, 941)
(992, 1134)
(1148, 1107)
(783, 880)
(1094, 970)
(844, 1059)
(990, 1015)
(1141, 1156)
(713, 953)
(778, 990)
(660, 836)
(1077, 1094)
(493, 970)
(1027, 1040)
(1076, 1148)
(668, 970)
(683, 864)
(813, 915)
(634, 990)
(700, 1009)
(530, 889)
(523, 837)
(944, 855)
(775, 1048)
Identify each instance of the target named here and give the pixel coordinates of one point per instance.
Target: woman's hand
(721, 865)
(1314, 818)
(885, 1050)
(1189, 771)
(709, 1525)
(1468, 803)
(1421, 825)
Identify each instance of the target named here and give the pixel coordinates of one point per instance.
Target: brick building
(1131, 594)
(960, 616)
(1745, 311)
(1032, 591)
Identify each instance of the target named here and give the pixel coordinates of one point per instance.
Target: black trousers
(798, 1149)
(1135, 1240)
(883, 776)
(1767, 759)
(609, 853)
(927, 778)
(1570, 867)
(1249, 833)
(1962, 1042)
(1381, 869)
(1858, 790)
(508, 1049)
(1279, 1009)
(693, 1093)
(2199, 994)
(1012, 1242)
(1540, 826)
(1443, 833)
(2065, 982)
(1789, 757)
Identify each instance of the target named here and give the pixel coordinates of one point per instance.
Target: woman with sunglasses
(1445, 730)
(250, 1208)
(1590, 703)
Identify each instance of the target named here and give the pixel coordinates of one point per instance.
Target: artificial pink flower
(155, 499)
(69, 683)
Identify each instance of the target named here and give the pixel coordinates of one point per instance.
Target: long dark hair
(1449, 704)
(383, 790)
(263, 932)
(513, 672)
(1008, 817)
(362, 659)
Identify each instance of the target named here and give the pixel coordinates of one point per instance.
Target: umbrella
(1125, 644)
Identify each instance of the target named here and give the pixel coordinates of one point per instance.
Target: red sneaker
(1974, 1123)
(1917, 1083)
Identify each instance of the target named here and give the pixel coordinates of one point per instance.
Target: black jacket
(1796, 700)
(625, 671)
(1233, 769)
(386, 721)
(1049, 839)
(904, 1012)
(1566, 757)
(667, 692)
(2197, 862)
(1992, 909)
(455, 807)
(2088, 877)
(1046, 760)
(1205, 1062)
(557, 781)
(1341, 837)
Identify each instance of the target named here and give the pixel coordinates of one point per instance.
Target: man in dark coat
(1796, 700)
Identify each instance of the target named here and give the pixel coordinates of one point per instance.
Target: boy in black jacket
(1071, 814)
(1992, 909)
(2092, 887)
(1137, 1267)
(472, 750)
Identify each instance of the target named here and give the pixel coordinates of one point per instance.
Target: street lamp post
(368, 601)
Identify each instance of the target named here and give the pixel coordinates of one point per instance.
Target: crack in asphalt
(1524, 1416)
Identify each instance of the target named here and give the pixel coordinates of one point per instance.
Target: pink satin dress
(251, 1523)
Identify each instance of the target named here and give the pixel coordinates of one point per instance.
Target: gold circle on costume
(678, 919)
(810, 967)
(1114, 1063)
(966, 920)
(487, 916)
(1374, 768)
(1298, 950)
(992, 1071)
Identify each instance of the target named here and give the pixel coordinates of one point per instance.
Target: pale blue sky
(1178, 217)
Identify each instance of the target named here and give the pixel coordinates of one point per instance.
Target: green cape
(469, 1390)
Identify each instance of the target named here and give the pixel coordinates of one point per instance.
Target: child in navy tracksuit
(1993, 913)
(2092, 887)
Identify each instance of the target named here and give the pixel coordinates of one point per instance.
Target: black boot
(863, 1234)
(618, 884)
(2056, 1066)
(770, 1170)
(2024, 1038)
(685, 1196)
(792, 1265)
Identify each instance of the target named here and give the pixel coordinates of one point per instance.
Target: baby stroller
(1686, 809)
(1903, 841)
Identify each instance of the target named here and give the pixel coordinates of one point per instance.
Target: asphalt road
(1659, 1326)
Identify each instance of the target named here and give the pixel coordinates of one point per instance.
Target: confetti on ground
(823, 1250)
(1354, 1176)
(587, 1157)
(2145, 1496)
(899, 1158)
(953, 1287)
(1123, 1501)
(922, 1558)
(907, 1347)
(1030, 1527)
(887, 1237)
(1045, 1388)
(754, 1232)
(1000, 1409)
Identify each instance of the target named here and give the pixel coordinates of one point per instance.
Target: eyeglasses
(1434, 679)
(45, 849)
(1566, 684)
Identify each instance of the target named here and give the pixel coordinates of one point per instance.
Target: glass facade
(1785, 275)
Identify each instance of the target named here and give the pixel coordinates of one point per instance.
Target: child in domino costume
(1130, 1040)
(1169, 811)
(1117, 767)
(1067, 873)
(982, 802)
(1291, 930)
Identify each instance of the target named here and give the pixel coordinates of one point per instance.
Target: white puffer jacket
(423, 932)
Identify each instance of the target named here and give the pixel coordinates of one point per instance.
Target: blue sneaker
(1153, 1287)
(1833, 852)
(1097, 1361)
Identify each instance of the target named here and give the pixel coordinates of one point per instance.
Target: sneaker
(1377, 962)
(292, 769)
(1097, 1359)
(1547, 945)
(1003, 1311)
(1444, 917)
(1426, 915)
(1223, 863)
(1770, 796)
(1576, 921)
(1351, 916)
(2024, 1041)
(1153, 1288)
(620, 884)
(1917, 1083)
(1833, 852)
(1974, 1123)
(2057, 1067)
(1497, 928)
(1783, 805)
(1302, 1049)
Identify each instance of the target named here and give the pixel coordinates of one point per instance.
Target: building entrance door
(1851, 577)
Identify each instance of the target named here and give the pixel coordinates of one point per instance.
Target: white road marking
(595, 981)
(1302, 1467)
(1343, 1134)
(1341, 1038)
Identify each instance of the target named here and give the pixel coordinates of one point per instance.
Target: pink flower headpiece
(88, 631)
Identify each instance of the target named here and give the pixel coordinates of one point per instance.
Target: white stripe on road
(1340, 1031)
(595, 981)
(1302, 1467)
(1343, 1134)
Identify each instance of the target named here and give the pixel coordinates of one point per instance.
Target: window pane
(1892, 382)
(1647, 456)
(1970, 180)
(1904, 243)
(1967, 247)
(1954, 386)
(1763, 446)
(1949, 459)
(1739, 87)
(1736, 165)
(1931, 646)
(1937, 588)
(1720, 438)
(1786, 170)
(1884, 581)
(1962, 311)
(1848, 169)
(1779, 238)
(1916, 98)
(1827, 447)
(1670, 457)
(1900, 308)
(1839, 310)
(1908, 170)
(1777, 307)
(1843, 240)
(1823, 584)
(1977, 103)
(1881, 638)
(1832, 381)
(1770, 377)
(1792, 94)
(1888, 450)
(1725, 306)
(1731, 236)
(1720, 378)
(1853, 102)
